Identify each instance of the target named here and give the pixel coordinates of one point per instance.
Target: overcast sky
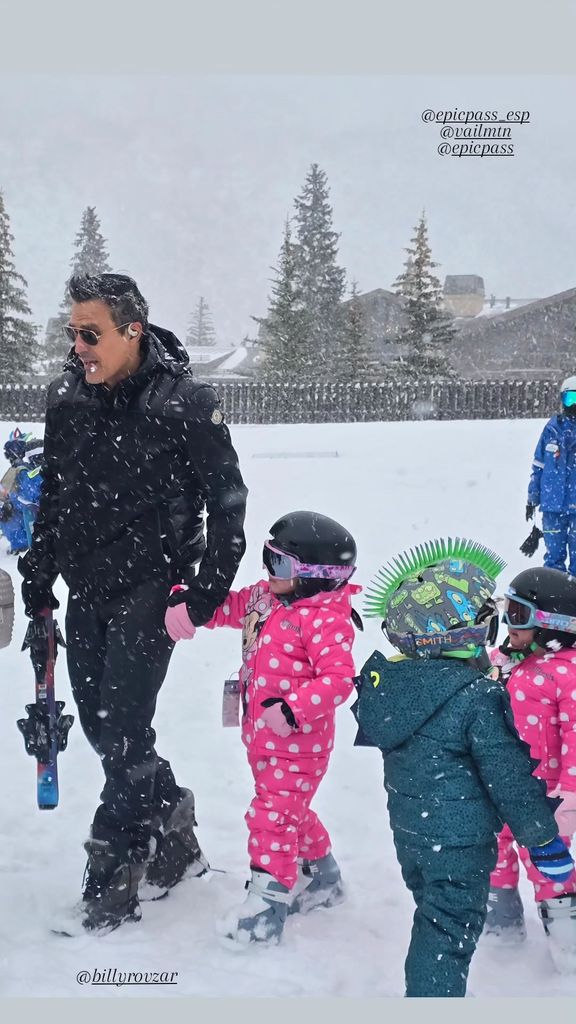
(193, 177)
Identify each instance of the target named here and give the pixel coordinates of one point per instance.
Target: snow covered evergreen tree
(319, 280)
(356, 360)
(201, 329)
(17, 335)
(285, 328)
(430, 328)
(90, 257)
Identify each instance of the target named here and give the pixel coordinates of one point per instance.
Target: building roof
(463, 284)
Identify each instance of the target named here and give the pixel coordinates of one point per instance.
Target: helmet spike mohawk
(409, 563)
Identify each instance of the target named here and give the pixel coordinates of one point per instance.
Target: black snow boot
(177, 852)
(110, 894)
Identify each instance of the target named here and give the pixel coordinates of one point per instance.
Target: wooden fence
(345, 403)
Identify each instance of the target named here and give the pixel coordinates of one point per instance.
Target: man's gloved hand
(277, 715)
(530, 510)
(553, 860)
(565, 814)
(37, 598)
(179, 625)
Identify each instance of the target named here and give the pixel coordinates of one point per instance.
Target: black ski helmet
(316, 540)
(549, 590)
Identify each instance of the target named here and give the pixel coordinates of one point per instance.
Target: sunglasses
(88, 337)
(568, 398)
(286, 567)
(522, 614)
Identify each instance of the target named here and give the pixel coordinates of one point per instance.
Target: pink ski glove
(177, 621)
(275, 719)
(566, 813)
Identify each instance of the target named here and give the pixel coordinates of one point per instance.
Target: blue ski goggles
(568, 399)
(522, 614)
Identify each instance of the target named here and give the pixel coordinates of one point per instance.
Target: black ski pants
(118, 653)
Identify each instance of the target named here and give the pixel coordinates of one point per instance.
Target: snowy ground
(392, 485)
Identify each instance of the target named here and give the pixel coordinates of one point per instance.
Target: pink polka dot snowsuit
(300, 652)
(542, 692)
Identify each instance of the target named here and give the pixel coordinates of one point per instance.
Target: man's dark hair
(120, 293)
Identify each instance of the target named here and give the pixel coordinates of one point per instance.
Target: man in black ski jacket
(136, 451)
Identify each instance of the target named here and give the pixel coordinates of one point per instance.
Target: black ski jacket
(129, 472)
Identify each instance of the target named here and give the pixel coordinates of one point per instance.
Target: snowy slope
(392, 485)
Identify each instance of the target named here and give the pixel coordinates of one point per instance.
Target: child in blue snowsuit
(552, 485)
(455, 767)
(19, 506)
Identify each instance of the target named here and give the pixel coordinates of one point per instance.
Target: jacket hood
(343, 595)
(398, 697)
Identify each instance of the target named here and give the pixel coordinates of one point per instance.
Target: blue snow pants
(450, 888)
(559, 530)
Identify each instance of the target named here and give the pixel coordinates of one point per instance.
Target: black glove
(6, 511)
(285, 709)
(35, 599)
(530, 545)
(530, 510)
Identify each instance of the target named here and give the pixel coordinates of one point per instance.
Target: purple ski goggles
(283, 566)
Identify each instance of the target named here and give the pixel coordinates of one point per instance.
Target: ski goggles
(283, 566)
(568, 399)
(88, 337)
(522, 614)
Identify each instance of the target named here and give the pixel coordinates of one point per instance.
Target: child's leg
(505, 874)
(450, 886)
(555, 529)
(284, 790)
(313, 839)
(545, 888)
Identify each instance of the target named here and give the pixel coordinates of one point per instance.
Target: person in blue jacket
(21, 489)
(552, 486)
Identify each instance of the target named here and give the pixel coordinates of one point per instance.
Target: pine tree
(89, 257)
(17, 335)
(429, 327)
(285, 328)
(319, 279)
(356, 359)
(201, 329)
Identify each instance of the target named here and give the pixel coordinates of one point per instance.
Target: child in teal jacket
(455, 768)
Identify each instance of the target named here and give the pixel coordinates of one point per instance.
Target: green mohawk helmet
(437, 598)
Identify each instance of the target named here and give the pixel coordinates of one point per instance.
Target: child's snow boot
(262, 915)
(319, 884)
(177, 852)
(558, 916)
(505, 917)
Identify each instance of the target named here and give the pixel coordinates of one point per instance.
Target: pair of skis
(45, 730)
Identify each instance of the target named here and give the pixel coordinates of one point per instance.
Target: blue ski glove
(553, 860)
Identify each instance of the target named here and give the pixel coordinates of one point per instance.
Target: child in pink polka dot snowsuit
(297, 668)
(537, 663)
